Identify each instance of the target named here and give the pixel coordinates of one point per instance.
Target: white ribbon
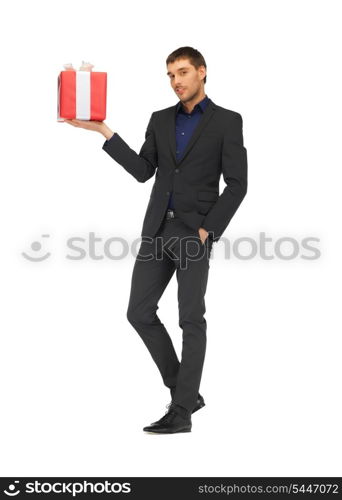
(83, 95)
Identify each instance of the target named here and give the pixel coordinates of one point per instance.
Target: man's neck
(189, 106)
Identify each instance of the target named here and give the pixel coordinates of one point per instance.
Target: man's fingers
(72, 122)
(86, 124)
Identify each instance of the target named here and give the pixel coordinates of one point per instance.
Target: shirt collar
(201, 105)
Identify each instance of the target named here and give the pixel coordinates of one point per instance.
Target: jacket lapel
(207, 114)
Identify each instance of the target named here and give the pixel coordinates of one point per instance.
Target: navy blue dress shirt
(185, 126)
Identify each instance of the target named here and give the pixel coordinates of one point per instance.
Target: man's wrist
(107, 133)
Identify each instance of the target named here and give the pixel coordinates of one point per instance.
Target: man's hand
(92, 125)
(203, 234)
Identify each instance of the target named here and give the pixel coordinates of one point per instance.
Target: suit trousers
(175, 248)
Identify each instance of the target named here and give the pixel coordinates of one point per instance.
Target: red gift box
(82, 94)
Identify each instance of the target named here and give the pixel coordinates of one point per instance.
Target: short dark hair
(194, 56)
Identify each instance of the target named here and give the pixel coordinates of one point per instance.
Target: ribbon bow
(86, 66)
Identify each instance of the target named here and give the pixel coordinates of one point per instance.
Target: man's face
(185, 79)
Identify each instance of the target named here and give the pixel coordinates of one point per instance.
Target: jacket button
(177, 170)
(167, 192)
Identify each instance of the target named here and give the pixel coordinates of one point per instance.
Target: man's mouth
(180, 90)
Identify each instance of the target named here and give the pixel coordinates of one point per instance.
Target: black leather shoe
(170, 423)
(199, 403)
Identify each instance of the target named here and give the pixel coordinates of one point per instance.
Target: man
(187, 146)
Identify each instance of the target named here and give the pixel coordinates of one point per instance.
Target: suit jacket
(215, 147)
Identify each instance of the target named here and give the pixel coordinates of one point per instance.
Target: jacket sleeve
(234, 170)
(143, 165)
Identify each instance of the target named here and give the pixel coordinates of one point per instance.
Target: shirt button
(182, 133)
(177, 151)
(177, 170)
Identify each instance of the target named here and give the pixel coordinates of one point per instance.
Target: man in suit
(187, 147)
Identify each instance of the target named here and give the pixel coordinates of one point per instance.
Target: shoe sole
(167, 432)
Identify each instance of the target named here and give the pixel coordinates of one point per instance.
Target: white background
(77, 383)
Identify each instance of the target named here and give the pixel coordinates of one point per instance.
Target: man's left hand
(203, 234)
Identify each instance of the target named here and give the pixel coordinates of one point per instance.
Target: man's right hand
(92, 125)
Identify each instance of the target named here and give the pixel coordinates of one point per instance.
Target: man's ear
(202, 71)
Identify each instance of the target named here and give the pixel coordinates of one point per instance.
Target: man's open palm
(87, 124)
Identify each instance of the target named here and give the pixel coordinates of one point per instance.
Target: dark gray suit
(215, 148)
